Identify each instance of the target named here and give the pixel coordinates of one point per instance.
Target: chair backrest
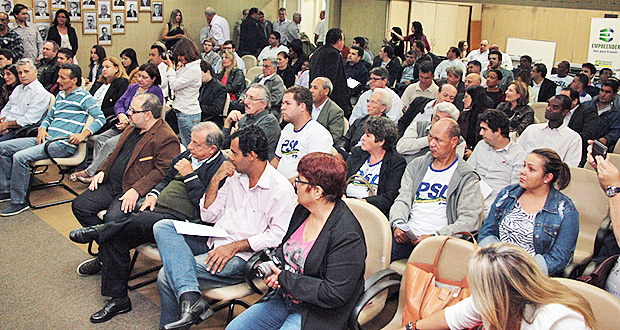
(613, 158)
(539, 111)
(452, 265)
(616, 149)
(253, 72)
(591, 202)
(346, 126)
(248, 82)
(605, 306)
(226, 105)
(250, 61)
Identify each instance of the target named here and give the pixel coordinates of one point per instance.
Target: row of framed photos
(96, 15)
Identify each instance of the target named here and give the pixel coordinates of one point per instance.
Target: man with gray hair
(274, 84)
(439, 193)
(257, 99)
(378, 79)
(324, 110)
(414, 143)
(217, 28)
(293, 28)
(27, 104)
(379, 104)
(176, 197)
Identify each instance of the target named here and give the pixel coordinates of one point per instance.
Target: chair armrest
(602, 232)
(378, 276)
(573, 270)
(47, 145)
(368, 295)
(27, 131)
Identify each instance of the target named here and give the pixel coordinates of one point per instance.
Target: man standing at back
(251, 39)
(33, 43)
(302, 135)
(327, 62)
(281, 26)
(218, 28)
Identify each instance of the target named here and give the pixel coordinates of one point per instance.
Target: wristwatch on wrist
(611, 191)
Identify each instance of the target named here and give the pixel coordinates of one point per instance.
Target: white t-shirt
(428, 212)
(100, 94)
(293, 145)
(370, 172)
(464, 315)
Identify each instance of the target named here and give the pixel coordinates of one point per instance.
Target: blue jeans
(15, 158)
(186, 122)
(277, 313)
(7, 136)
(400, 250)
(184, 269)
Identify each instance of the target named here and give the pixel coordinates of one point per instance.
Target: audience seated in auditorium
(508, 291)
(229, 45)
(493, 78)
(425, 86)
(476, 102)
(454, 78)
(603, 75)
(231, 76)
(367, 58)
(27, 104)
(10, 82)
(582, 119)
(554, 134)
(252, 187)
(378, 105)
(515, 107)
(580, 81)
(481, 54)
(475, 67)
(388, 60)
(274, 47)
(378, 163)
(495, 63)
(525, 64)
(67, 116)
(284, 71)
(176, 197)
(109, 88)
(422, 108)
(439, 194)
(378, 79)
(406, 75)
(415, 143)
(472, 79)
(131, 64)
(590, 70)
(525, 213)
(157, 52)
(297, 57)
(561, 78)
(324, 110)
(496, 159)
(302, 135)
(323, 231)
(608, 108)
(274, 84)
(256, 113)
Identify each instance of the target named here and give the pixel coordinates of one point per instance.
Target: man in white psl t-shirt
(439, 193)
(302, 135)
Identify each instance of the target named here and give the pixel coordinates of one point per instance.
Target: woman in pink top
(323, 253)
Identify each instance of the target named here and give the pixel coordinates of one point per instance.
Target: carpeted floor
(39, 288)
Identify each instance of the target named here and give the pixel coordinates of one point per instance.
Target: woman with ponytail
(535, 215)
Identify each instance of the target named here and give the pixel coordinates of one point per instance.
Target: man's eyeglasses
(376, 78)
(134, 111)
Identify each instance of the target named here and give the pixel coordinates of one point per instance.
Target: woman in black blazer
(112, 74)
(324, 254)
(62, 25)
(377, 149)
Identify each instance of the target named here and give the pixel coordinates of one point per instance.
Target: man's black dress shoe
(114, 307)
(191, 314)
(85, 234)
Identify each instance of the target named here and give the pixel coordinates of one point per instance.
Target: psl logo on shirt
(290, 148)
(435, 193)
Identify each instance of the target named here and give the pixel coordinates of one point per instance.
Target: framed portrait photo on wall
(157, 12)
(118, 22)
(103, 11)
(132, 11)
(104, 37)
(90, 22)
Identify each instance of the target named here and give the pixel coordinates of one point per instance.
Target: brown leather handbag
(423, 296)
(599, 276)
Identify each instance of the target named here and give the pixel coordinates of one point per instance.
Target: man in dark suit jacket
(393, 64)
(326, 61)
(582, 119)
(252, 38)
(131, 12)
(212, 96)
(547, 87)
(330, 115)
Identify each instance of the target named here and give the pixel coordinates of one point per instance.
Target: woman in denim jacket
(535, 215)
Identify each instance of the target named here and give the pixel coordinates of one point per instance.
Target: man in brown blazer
(139, 162)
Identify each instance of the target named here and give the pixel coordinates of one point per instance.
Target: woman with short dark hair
(378, 163)
(316, 290)
(63, 33)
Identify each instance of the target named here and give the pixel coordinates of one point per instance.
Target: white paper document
(194, 229)
(352, 83)
(485, 189)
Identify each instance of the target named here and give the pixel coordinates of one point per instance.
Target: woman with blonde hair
(515, 107)
(110, 86)
(508, 291)
(231, 76)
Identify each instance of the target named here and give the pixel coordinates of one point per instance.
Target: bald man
(439, 193)
(481, 54)
(472, 79)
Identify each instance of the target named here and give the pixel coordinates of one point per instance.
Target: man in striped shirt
(66, 118)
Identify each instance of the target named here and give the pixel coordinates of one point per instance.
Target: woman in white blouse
(508, 291)
(185, 82)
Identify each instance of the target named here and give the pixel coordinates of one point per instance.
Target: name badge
(145, 159)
